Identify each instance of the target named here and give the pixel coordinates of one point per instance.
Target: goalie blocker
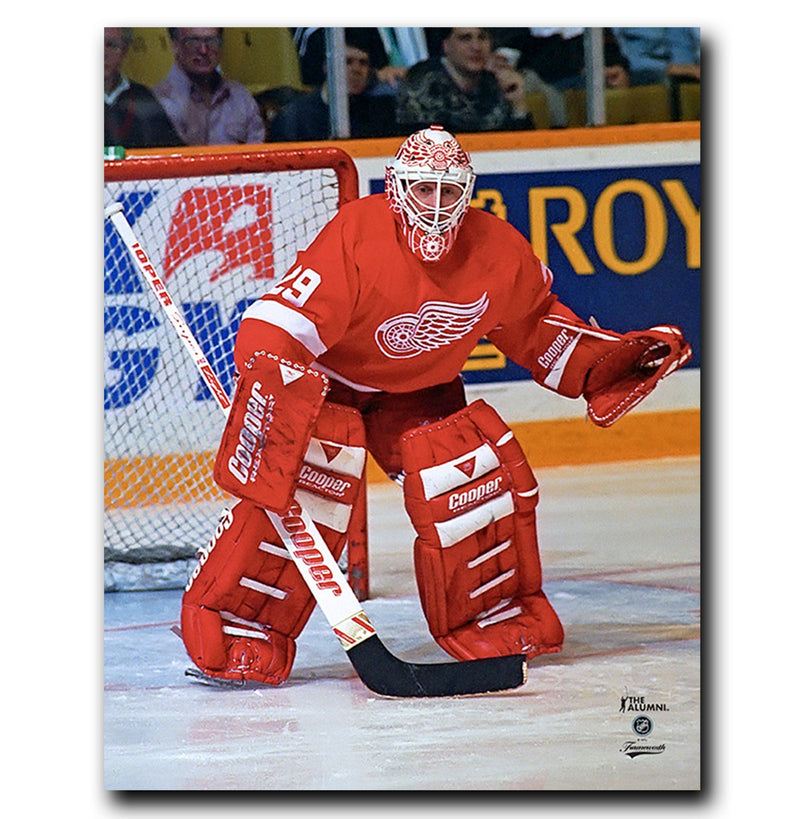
(273, 410)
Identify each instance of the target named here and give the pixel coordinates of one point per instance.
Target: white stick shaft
(316, 565)
(322, 575)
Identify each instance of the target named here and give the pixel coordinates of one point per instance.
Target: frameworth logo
(636, 747)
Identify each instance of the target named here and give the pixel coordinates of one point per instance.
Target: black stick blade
(389, 676)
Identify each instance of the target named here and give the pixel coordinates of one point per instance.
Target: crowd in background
(398, 80)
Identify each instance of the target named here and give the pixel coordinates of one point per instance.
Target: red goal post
(221, 226)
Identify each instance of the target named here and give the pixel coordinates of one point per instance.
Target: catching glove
(631, 369)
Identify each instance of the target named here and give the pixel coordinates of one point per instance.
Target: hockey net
(220, 227)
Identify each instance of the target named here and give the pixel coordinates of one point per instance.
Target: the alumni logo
(630, 704)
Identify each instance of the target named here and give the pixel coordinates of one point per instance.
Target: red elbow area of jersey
(255, 335)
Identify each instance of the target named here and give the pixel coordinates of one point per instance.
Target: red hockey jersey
(371, 314)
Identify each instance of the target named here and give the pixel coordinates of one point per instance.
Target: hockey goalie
(359, 348)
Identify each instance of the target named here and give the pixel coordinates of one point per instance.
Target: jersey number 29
(298, 285)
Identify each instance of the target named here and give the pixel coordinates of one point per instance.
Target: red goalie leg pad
(526, 625)
(472, 498)
(259, 655)
(246, 602)
(332, 472)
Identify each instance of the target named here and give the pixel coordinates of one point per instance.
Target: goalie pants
(387, 416)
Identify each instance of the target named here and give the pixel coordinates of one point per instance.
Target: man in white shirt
(205, 107)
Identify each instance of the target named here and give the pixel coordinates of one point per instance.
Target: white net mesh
(218, 242)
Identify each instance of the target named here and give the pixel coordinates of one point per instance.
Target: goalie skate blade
(385, 674)
(213, 682)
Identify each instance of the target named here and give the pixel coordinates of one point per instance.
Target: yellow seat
(647, 103)
(624, 106)
(149, 57)
(539, 108)
(689, 100)
(260, 58)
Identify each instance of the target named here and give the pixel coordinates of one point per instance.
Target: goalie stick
(378, 668)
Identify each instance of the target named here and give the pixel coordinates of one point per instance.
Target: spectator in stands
(392, 51)
(660, 55)
(459, 91)
(272, 101)
(308, 116)
(205, 107)
(403, 47)
(133, 117)
(552, 60)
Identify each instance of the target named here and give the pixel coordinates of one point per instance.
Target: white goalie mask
(429, 184)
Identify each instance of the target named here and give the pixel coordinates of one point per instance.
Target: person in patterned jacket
(459, 91)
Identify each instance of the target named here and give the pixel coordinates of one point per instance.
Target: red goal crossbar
(170, 166)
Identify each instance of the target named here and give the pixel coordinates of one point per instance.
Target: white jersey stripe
(296, 324)
(352, 384)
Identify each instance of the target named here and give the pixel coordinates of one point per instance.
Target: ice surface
(620, 550)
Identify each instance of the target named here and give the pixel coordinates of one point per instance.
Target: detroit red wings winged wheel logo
(419, 150)
(434, 325)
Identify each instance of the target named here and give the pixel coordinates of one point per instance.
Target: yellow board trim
(640, 436)
(485, 141)
(546, 443)
(575, 441)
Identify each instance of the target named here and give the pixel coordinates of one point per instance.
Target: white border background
(53, 369)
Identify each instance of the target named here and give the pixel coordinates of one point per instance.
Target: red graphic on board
(234, 221)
